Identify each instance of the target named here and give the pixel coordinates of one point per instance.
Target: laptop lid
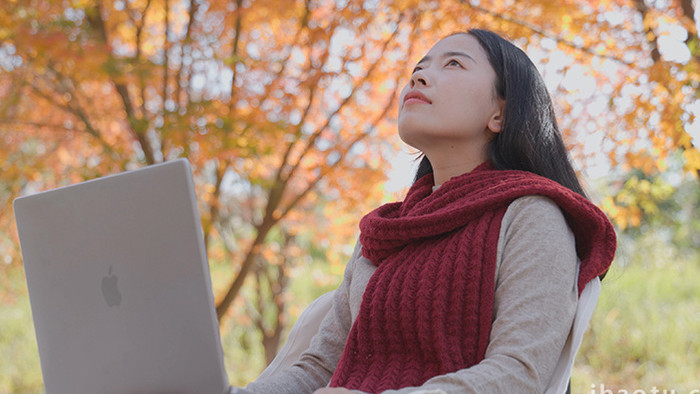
(119, 285)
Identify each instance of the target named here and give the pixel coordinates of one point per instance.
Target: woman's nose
(418, 78)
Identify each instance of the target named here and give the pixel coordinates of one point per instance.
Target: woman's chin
(408, 140)
(416, 138)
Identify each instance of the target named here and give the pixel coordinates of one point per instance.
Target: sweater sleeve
(535, 302)
(315, 366)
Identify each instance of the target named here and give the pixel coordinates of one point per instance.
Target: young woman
(470, 284)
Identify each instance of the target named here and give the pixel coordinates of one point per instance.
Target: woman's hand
(334, 390)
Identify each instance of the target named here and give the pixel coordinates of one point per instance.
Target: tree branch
(234, 54)
(80, 114)
(186, 43)
(277, 190)
(251, 254)
(133, 122)
(303, 25)
(543, 33)
(138, 60)
(164, 94)
(359, 137)
(643, 9)
(214, 211)
(312, 139)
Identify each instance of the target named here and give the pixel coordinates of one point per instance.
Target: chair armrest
(301, 333)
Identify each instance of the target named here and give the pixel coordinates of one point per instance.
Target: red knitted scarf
(427, 309)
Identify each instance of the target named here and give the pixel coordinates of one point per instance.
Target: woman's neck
(444, 169)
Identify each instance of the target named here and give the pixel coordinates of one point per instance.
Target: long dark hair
(529, 139)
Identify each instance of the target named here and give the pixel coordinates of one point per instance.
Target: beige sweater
(535, 302)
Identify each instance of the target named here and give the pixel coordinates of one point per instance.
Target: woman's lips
(416, 97)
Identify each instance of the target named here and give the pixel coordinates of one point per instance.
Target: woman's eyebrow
(448, 54)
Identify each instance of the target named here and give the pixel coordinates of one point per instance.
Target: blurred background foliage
(286, 110)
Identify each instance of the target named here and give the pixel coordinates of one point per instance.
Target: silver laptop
(119, 285)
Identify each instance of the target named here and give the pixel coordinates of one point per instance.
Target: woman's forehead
(462, 42)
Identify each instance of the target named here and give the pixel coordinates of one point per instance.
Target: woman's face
(449, 104)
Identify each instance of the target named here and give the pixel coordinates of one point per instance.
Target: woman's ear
(495, 123)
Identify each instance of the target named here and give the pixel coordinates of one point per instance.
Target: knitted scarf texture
(427, 309)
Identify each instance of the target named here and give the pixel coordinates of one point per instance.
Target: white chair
(586, 304)
(307, 326)
(301, 333)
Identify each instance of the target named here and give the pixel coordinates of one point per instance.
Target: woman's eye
(453, 62)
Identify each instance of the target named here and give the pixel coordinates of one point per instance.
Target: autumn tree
(270, 102)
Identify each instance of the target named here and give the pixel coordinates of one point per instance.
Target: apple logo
(109, 289)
